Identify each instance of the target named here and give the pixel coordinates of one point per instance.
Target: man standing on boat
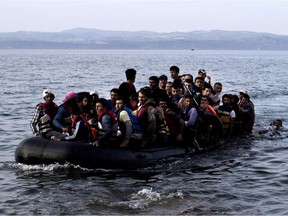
(174, 73)
(127, 89)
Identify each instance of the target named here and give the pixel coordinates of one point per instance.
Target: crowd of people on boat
(165, 112)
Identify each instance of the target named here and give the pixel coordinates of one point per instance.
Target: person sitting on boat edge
(107, 125)
(227, 115)
(247, 114)
(62, 120)
(237, 123)
(43, 117)
(244, 93)
(130, 130)
(80, 129)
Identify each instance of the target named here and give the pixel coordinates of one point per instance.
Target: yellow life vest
(224, 117)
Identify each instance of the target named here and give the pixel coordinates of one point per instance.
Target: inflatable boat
(37, 150)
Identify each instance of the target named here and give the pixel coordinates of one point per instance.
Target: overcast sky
(133, 15)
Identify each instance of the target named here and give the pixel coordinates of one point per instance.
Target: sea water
(249, 176)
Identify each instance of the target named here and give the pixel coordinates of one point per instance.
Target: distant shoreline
(143, 40)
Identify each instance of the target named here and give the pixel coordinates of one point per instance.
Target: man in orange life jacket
(43, 117)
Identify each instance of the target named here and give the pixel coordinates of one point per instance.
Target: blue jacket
(61, 117)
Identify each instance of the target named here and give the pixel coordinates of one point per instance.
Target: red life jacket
(92, 131)
(77, 117)
(142, 115)
(111, 113)
(50, 109)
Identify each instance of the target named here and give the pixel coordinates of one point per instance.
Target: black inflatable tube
(36, 150)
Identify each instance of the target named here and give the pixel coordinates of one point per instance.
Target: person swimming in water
(273, 129)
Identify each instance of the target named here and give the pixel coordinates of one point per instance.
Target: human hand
(96, 143)
(124, 144)
(39, 135)
(143, 144)
(65, 129)
(54, 138)
(179, 138)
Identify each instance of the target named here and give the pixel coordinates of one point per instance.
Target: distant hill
(81, 38)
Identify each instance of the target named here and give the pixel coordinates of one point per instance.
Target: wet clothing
(247, 118)
(272, 130)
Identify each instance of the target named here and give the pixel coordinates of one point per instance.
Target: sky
(268, 16)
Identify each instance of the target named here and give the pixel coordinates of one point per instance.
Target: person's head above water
(277, 123)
